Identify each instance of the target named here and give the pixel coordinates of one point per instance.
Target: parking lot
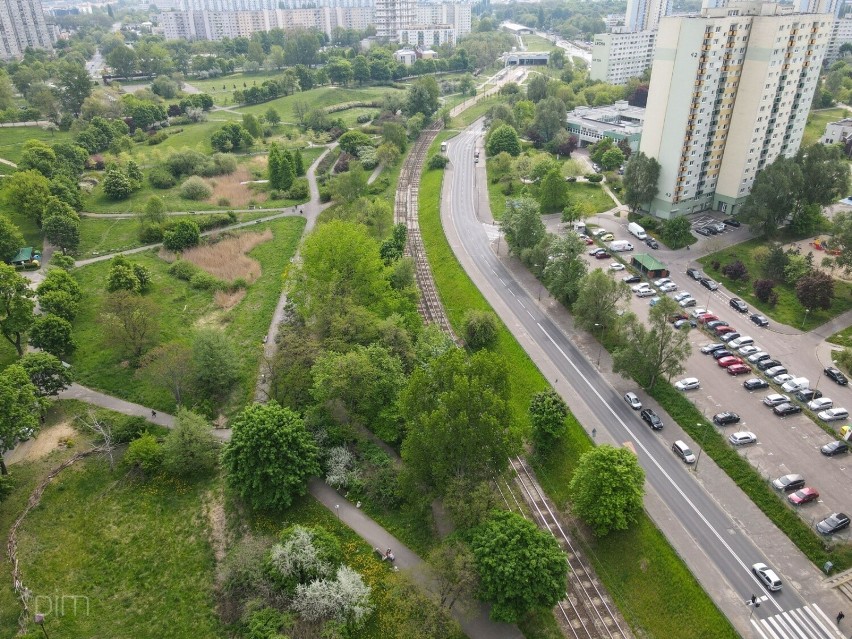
(785, 444)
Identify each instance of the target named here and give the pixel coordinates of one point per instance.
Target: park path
(131, 216)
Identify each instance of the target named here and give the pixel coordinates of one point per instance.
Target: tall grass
(227, 259)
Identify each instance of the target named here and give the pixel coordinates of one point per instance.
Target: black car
(755, 383)
(703, 230)
(685, 322)
(631, 279)
(835, 448)
(731, 222)
(835, 522)
(808, 394)
(694, 273)
(652, 418)
(835, 375)
(738, 305)
(711, 230)
(782, 410)
(723, 419)
(759, 319)
(650, 241)
(706, 282)
(715, 323)
(720, 353)
(766, 364)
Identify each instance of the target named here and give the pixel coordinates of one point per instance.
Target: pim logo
(61, 605)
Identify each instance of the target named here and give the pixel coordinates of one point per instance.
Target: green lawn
(653, 588)
(815, 127)
(842, 338)
(317, 98)
(788, 310)
(180, 309)
(591, 198)
(189, 136)
(225, 97)
(537, 43)
(473, 113)
(12, 139)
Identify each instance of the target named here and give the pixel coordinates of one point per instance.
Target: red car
(721, 330)
(729, 361)
(602, 255)
(588, 241)
(707, 317)
(678, 316)
(738, 369)
(803, 496)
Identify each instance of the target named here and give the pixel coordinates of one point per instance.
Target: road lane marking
(756, 626)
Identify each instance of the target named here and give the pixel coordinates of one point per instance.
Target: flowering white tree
(298, 557)
(345, 599)
(341, 471)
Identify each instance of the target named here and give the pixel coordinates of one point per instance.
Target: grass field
(652, 587)
(537, 43)
(318, 98)
(12, 139)
(842, 338)
(180, 309)
(788, 310)
(591, 198)
(225, 96)
(817, 120)
(469, 115)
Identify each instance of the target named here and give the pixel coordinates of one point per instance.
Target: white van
(795, 384)
(637, 231)
(579, 227)
(619, 246)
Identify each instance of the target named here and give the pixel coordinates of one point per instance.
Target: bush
(183, 270)
(223, 201)
(161, 178)
(144, 453)
(763, 290)
(117, 185)
(480, 329)
(594, 178)
(184, 234)
(736, 271)
(438, 161)
(151, 234)
(128, 428)
(299, 190)
(65, 262)
(203, 281)
(157, 138)
(195, 189)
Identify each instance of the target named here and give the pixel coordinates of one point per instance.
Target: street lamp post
(805, 318)
(698, 458)
(600, 343)
(337, 510)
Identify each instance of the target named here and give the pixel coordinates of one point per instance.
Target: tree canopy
(640, 180)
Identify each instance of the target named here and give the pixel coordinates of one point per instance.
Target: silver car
(742, 438)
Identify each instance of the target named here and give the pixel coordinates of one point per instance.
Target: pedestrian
(153, 414)
(840, 617)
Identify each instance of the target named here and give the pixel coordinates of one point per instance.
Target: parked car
(709, 348)
(633, 400)
(803, 496)
(722, 329)
(782, 379)
(651, 242)
(759, 319)
(729, 336)
(731, 222)
(808, 395)
(835, 375)
(742, 438)
(775, 399)
(702, 230)
(711, 229)
(668, 288)
(766, 364)
(678, 316)
(787, 409)
(681, 296)
(687, 383)
(726, 418)
(685, 322)
(767, 577)
(738, 305)
(750, 349)
(661, 281)
(706, 282)
(775, 371)
(599, 232)
(635, 288)
(755, 383)
(698, 312)
(631, 279)
(616, 266)
(724, 362)
(738, 369)
(833, 414)
(744, 340)
(602, 255)
(834, 448)
(694, 273)
(788, 483)
(680, 449)
(596, 250)
(835, 522)
(795, 385)
(720, 353)
(686, 303)
(607, 237)
(645, 292)
(759, 356)
(719, 227)
(653, 420)
(707, 318)
(715, 323)
(820, 404)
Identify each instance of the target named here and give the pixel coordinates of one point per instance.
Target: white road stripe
(830, 631)
(805, 623)
(769, 629)
(789, 624)
(775, 622)
(756, 626)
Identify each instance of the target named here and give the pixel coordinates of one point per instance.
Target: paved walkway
(131, 216)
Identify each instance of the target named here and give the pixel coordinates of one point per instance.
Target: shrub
(182, 235)
(157, 138)
(480, 329)
(438, 161)
(183, 270)
(203, 281)
(151, 234)
(195, 189)
(144, 453)
(763, 289)
(299, 190)
(736, 271)
(117, 185)
(594, 178)
(216, 220)
(223, 201)
(161, 178)
(128, 428)
(649, 223)
(715, 265)
(65, 262)
(187, 162)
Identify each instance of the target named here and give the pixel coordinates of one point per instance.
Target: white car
(782, 379)
(633, 400)
(745, 340)
(645, 292)
(696, 313)
(668, 287)
(616, 266)
(823, 403)
(638, 287)
(661, 281)
(745, 351)
(767, 576)
(681, 296)
(775, 399)
(687, 383)
(833, 414)
(743, 437)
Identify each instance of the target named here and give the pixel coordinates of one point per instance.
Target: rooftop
(619, 116)
(650, 262)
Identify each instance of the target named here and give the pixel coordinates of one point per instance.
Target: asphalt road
(724, 542)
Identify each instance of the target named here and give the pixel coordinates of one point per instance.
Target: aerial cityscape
(401, 319)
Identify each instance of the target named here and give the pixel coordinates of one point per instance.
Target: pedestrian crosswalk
(807, 622)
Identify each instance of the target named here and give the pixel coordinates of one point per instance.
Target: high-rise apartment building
(22, 25)
(392, 16)
(617, 57)
(730, 91)
(642, 15)
(841, 33)
(455, 15)
(834, 7)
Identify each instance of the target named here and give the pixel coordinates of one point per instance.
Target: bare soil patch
(46, 442)
(227, 259)
(226, 300)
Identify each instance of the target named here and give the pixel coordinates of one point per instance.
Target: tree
(11, 239)
(270, 456)
(350, 185)
(339, 71)
(233, 136)
(117, 185)
(75, 85)
(346, 599)
(190, 448)
(607, 489)
(352, 140)
(598, 302)
(565, 268)
(480, 329)
(548, 412)
(154, 212)
(537, 87)
(553, 192)
(130, 322)
(298, 163)
(842, 240)
(825, 175)
(27, 192)
(144, 453)
(676, 232)
(170, 366)
(275, 166)
(415, 614)
(272, 116)
(252, 125)
(360, 69)
(657, 351)
(302, 555)
(56, 280)
(520, 567)
(612, 159)
(182, 235)
(522, 224)
(394, 133)
(53, 335)
(214, 362)
(549, 119)
(503, 139)
(46, 372)
(122, 59)
(423, 97)
(640, 181)
(63, 231)
(19, 409)
(288, 174)
(455, 569)
(773, 196)
(38, 156)
(458, 418)
(798, 266)
(815, 290)
(16, 307)
(387, 154)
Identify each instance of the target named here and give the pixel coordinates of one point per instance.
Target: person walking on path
(840, 617)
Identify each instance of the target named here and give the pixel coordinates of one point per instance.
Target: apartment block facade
(392, 16)
(644, 15)
(617, 57)
(730, 92)
(22, 25)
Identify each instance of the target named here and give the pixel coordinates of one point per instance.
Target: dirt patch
(46, 442)
(808, 246)
(225, 300)
(227, 260)
(229, 187)
(214, 508)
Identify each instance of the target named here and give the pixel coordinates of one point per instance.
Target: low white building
(405, 56)
(837, 132)
(617, 57)
(427, 35)
(618, 121)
